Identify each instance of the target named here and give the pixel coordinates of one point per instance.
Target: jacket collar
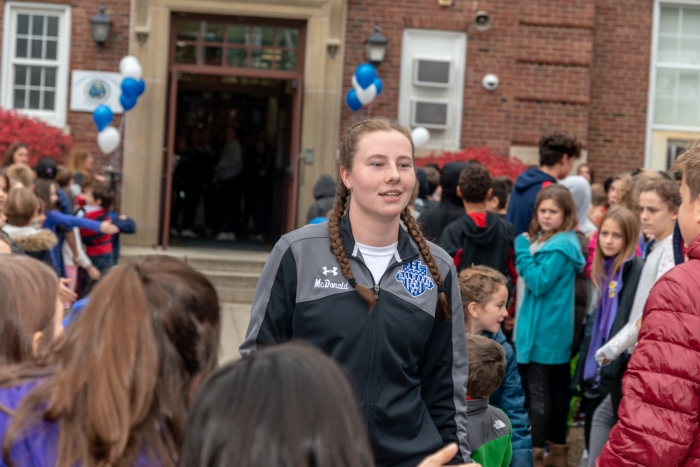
(476, 406)
(693, 250)
(406, 249)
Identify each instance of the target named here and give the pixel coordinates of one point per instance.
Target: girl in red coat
(660, 410)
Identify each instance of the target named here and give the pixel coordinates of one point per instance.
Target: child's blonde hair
(21, 206)
(478, 283)
(21, 173)
(629, 225)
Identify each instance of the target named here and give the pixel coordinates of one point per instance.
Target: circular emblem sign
(97, 91)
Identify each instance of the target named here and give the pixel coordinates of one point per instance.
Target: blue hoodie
(510, 398)
(545, 329)
(522, 197)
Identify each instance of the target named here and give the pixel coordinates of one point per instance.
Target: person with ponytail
(379, 299)
(118, 387)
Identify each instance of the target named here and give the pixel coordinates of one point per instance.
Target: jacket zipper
(374, 336)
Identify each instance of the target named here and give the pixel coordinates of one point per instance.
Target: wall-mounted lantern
(375, 46)
(100, 25)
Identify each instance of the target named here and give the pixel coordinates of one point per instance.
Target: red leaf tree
(42, 139)
(497, 164)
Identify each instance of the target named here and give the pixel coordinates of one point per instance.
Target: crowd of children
(540, 296)
(46, 215)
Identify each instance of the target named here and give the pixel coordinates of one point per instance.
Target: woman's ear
(473, 309)
(35, 343)
(345, 177)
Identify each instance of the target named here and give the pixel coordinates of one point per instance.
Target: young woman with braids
(380, 300)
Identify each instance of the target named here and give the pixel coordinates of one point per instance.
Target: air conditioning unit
(430, 113)
(432, 72)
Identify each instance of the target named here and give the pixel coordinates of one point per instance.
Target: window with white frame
(36, 45)
(432, 84)
(677, 67)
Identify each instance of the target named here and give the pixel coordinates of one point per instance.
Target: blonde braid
(338, 249)
(443, 307)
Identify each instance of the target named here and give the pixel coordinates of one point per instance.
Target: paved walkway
(234, 324)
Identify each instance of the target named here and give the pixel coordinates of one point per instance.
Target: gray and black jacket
(409, 367)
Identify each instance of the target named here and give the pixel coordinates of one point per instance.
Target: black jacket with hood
(324, 194)
(434, 220)
(409, 366)
(489, 243)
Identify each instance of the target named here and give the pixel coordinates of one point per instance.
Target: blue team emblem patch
(414, 277)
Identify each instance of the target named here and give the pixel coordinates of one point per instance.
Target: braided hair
(347, 150)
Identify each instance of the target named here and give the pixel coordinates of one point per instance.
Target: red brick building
(75, 50)
(582, 67)
(622, 75)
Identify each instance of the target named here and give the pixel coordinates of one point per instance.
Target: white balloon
(132, 69)
(108, 140)
(366, 95)
(420, 136)
(355, 84)
(125, 59)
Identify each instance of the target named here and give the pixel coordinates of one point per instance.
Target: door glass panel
(286, 60)
(261, 58)
(186, 53)
(236, 57)
(287, 37)
(237, 34)
(262, 35)
(187, 30)
(212, 32)
(211, 55)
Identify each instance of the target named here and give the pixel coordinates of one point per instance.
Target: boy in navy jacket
(557, 155)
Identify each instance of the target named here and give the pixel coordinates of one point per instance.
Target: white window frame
(448, 138)
(651, 126)
(414, 103)
(12, 9)
(417, 82)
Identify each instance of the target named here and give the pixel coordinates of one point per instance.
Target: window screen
(430, 114)
(432, 72)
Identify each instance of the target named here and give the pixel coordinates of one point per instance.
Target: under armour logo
(327, 271)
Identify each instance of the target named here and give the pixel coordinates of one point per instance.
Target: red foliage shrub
(497, 164)
(42, 139)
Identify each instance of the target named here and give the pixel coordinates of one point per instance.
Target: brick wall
(564, 66)
(85, 55)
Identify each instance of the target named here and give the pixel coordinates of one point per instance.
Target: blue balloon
(352, 100)
(365, 75)
(142, 86)
(130, 87)
(127, 102)
(378, 83)
(102, 116)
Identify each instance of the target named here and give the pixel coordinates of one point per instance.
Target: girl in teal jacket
(548, 259)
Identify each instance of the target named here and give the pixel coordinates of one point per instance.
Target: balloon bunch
(366, 87)
(132, 86)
